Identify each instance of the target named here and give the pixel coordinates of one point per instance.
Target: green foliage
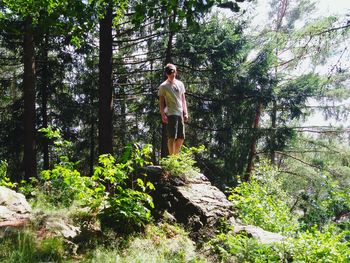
(262, 201)
(324, 204)
(124, 209)
(326, 45)
(182, 163)
(64, 183)
(161, 243)
(242, 248)
(54, 135)
(316, 176)
(4, 180)
(294, 94)
(329, 245)
(136, 156)
(27, 188)
(188, 13)
(121, 202)
(25, 246)
(61, 147)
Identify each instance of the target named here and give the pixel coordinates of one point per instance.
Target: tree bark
(29, 158)
(282, 8)
(105, 135)
(92, 135)
(153, 122)
(123, 123)
(252, 151)
(273, 132)
(44, 98)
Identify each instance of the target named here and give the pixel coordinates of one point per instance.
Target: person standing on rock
(173, 108)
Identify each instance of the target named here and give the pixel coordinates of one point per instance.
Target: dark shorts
(175, 127)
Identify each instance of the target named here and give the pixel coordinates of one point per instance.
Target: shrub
(4, 180)
(329, 245)
(319, 180)
(120, 202)
(124, 209)
(63, 184)
(325, 203)
(262, 202)
(182, 163)
(60, 147)
(241, 248)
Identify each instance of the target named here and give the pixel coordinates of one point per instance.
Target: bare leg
(178, 144)
(171, 146)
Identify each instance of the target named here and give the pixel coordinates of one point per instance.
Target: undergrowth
(182, 163)
(119, 206)
(26, 246)
(160, 243)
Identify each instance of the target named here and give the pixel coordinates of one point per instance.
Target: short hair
(169, 68)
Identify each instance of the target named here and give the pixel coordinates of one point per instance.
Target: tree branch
(299, 160)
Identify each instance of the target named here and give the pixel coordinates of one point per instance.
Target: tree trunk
(105, 135)
(153, 121)
(15, 155)
(164, 148)
(273, 132)
(44, 98)
(92, 134)
(252, 151)
(168, 54)
(282, 8)
(29, 158)
(227, 142)
(123, 124)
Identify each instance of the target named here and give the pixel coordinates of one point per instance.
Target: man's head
(169, 69)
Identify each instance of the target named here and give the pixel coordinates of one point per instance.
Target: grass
(160, 243)
(24, 246)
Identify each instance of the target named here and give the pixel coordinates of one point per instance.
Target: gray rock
(260, 234)
(199, 205)
(60, 227)
(190, 198)
(15, 211)
(169, 218)
(13, 205)
(6, 214)
(207, 200)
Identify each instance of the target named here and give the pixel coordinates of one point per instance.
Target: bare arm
(162, 108)
(184, 106)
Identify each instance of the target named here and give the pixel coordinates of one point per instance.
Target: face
(171, 72)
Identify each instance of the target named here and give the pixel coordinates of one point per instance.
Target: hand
(164, 118)
(185, 118)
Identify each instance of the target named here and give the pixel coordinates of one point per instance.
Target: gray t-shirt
(172, 92)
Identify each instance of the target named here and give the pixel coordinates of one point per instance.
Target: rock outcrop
(14, 208)
(189, 199)
(15, 212)
(193, 201)
(258, 233)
